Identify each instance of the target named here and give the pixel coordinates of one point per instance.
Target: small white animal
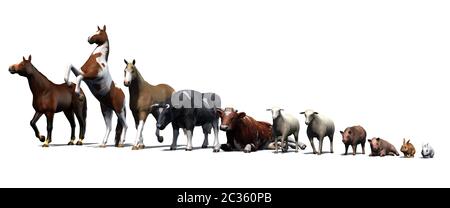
(427, 151)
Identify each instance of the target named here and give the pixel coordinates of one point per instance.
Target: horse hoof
(190, 149)
(216, 150)
(70, 143)
(303, 147)
(42, 138)
(135, 147)
(173, 148)
(141, 146)
(204, 146)
(247, 151)
(79, 143)
(45, 145)
(119, 145)
(102, 146)
(160, 139)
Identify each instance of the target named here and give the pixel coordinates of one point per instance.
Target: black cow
(187, 109)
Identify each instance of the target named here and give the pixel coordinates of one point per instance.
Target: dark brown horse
(50, 98)
(95, 73)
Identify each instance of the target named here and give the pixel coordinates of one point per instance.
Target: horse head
(23, 68)
(130, 72)
(100, 37)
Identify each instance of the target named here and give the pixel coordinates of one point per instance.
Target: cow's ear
(126, 62)
(241, 115)
(219, 112)
(378, 139)
(369, 140)
(341, 132)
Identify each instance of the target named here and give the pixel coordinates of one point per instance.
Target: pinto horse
(95, 73)
(50, 98)
(143, 98)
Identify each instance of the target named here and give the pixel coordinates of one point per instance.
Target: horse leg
(121, 118)
(139, 141)
(107, 115)
(155, 114)
(49, 128)
(71, 119)
(77, 85)
(80, 113)
(33, 121)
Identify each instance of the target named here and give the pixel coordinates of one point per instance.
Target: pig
(353, 136)
(381, 147)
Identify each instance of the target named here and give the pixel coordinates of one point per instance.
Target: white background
(381, 64)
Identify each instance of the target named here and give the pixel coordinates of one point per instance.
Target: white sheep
(318, 126)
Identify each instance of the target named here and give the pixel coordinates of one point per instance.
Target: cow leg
(292, 143)
(206, 131)
(33, 121)
(70, 117)
(346, 149)
(49, 128)
(250, 148)
(216, 136)
(176, 132)
(155, 113)
(331, 142)
(107, 116)
(189, 133)
(354, 148)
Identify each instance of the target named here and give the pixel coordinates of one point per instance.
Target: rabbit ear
(403, 140)
(408, 141)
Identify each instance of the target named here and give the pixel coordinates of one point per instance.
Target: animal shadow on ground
(312, 153)
(65, 144)
(351, 154)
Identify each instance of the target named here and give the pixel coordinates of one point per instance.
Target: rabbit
(427, 151)
(408, 149)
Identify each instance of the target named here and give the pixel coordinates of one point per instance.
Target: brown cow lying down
(245, 133)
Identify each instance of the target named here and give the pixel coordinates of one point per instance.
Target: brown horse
(50, 98)
(143, 97)
(95, 74)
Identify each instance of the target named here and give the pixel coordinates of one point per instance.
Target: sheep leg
(283, 145)
(320, 145)
(312, 144)
(331, 143)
